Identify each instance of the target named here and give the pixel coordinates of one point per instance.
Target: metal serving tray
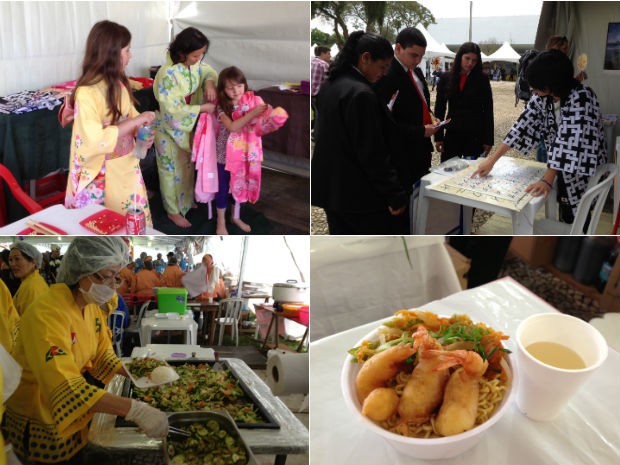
(270, 422)
(183, 419)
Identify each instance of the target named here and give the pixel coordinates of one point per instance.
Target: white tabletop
(586, 432)
(173, 351)
(522, 220)
(67, 219)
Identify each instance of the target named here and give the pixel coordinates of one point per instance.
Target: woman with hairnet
(25, 261)
(61, 337)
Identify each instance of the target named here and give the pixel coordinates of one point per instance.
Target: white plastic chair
(134, 328)
(116, 321)
(229, 314)
(597, 192)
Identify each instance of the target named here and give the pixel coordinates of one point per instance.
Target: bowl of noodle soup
(422, 441)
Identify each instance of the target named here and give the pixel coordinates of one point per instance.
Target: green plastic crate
(172, 300)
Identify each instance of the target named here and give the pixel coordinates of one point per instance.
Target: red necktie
(426, 115)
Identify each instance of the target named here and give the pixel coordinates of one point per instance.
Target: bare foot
(179, 220)
(242, 225)
(221, 230)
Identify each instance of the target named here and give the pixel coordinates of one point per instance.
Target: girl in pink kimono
(103, 169)
(244, 117)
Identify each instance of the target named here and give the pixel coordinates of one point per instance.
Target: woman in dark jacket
(466, 93)
(353, 178)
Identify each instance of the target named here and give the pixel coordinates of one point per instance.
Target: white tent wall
(43, 43)
(268, 41)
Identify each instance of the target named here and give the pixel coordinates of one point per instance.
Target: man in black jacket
(353, 177)
(403, 89)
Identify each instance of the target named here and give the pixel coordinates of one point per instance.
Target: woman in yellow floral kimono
(181, 86)
(103, 169)
(25, 261)
(62, 336)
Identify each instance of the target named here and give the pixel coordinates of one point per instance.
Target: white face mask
(98, 293)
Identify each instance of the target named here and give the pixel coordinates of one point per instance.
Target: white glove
(150, 420)
(11, 458)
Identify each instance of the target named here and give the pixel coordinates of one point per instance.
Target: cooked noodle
(491, 394)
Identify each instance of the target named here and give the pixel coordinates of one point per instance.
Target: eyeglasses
(112, 281)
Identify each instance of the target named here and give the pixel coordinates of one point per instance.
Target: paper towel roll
(287, 372)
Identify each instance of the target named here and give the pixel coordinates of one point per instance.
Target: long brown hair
(234, 74)
(102, 60)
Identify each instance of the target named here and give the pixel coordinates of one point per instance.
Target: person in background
(140, 262)
(159, 261)
(404, 89)
(61, 337)
(127, 276)
(354, 178)
(172, 274)
(567, 115)
(9, 319)
(464, 96)
(12, 283)
(216, 289)
(25, 261)
(184, 87)
(319, 66)
(146, 280)
(103, 169)
(55, 259)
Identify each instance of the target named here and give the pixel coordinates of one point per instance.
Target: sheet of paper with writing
(504, 186)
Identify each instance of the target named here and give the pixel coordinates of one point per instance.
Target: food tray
(269, 421)
(144, 382)
(226, 423)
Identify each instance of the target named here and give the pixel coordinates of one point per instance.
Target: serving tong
(178, 432)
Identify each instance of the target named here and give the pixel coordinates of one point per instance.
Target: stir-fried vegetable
(209, 444)
(200, 388)
(140, 367)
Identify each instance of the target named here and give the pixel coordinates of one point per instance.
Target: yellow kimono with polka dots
(103, 169)
(30, 288)
(55, 346)
(9, 319)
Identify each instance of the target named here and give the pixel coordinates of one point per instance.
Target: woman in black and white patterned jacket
(566, 115)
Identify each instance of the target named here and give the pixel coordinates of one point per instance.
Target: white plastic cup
(210, 300)
(543, 390)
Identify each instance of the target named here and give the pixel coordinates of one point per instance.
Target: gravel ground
(505, 114)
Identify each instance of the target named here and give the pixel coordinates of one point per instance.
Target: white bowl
(432, 448)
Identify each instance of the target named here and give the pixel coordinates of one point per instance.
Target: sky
(460, 8)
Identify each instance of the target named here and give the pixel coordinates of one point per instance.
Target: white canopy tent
(42, 43)
(434, 48)
(504, 53)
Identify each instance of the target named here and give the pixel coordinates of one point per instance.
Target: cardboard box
(534, 250)
(610, 300)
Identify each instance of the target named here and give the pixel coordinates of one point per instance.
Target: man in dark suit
(403, 89)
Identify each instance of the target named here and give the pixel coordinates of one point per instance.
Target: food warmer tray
(270, 422)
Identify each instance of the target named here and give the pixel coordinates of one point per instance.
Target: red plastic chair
(50, 189)
(27, 202)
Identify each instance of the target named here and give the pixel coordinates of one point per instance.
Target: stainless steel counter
(291, 438)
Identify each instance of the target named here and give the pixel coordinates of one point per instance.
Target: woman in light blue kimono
(184, 88)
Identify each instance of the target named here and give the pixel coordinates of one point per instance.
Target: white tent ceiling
(504, 53)
(42, 42)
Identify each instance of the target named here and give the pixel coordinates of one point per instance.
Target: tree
(319, 37)
(385, 18)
